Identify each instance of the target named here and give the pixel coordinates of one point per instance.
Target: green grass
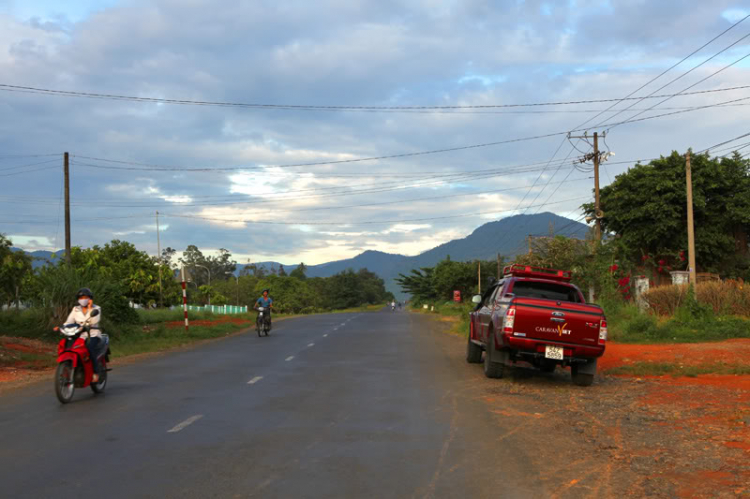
(150, 335)
(457, 311)
(664, 369)
(627, 324)
(159, 337)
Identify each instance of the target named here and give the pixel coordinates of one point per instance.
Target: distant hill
(41, 258)
(506, 236)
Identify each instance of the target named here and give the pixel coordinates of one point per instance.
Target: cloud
(386, 53)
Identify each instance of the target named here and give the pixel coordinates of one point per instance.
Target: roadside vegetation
(37, 299)
(646, 239)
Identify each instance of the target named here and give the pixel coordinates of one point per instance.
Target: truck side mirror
(476, 299)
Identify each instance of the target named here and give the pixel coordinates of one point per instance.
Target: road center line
(185, 423)
(289, 358)
(325, 335)
(311, 344)
(255, 380)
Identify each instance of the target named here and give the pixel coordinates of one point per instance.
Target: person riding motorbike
(82, 313)
(267, 303)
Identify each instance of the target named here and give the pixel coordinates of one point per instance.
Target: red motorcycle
(74, 364)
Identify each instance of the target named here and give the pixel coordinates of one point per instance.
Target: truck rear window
(548, 290)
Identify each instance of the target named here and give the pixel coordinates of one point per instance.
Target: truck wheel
(492, 369)
(473, 351)
(579, 378)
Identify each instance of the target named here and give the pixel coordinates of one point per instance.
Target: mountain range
(507, 237)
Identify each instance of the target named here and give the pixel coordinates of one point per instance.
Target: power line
(131, 98)
(28, 165)
(631, 119)
(30, 171)
(672, 67)
(14, 156)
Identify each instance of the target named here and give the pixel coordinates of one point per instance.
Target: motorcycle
(262, 323)
(75, 368)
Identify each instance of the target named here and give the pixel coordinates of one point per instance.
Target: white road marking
(335, 329)
(289, 358)
(255, 380)
(343, 323)
(311, 344)
(325, 335)
(185, 423)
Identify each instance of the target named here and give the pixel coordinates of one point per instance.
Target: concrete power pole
(690, 227)
(66, 173)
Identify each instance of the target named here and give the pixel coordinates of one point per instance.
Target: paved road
(339, 405)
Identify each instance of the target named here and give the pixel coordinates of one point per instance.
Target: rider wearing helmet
(82, 313)
(266, 302)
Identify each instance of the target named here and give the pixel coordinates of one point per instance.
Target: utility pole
(66, 173)
(596, 188)
(597, 159)
(498, 266)
(690, 227)
(479, 276)
(528, 242)
(158, 253)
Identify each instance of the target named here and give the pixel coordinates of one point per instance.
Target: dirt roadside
(666, 436)
(24, 361)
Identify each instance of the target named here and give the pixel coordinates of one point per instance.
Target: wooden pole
(479, 276)
(596, 188)
(158, 255)
(66, 173)
(690, 227)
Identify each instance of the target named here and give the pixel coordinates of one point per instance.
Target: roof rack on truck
(518, 270)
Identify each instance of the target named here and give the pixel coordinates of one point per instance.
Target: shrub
(720, 297)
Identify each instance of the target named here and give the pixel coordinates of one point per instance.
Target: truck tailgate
(557, 321)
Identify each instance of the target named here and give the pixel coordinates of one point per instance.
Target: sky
(230, 177)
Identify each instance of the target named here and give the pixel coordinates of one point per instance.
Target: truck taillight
(602, 332)
(509, 320)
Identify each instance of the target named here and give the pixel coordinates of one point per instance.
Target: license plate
(551, 352)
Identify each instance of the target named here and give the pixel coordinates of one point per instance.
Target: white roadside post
(184, 296)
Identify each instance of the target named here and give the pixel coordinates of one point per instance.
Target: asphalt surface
(339, 405)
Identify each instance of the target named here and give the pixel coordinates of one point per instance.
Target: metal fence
(219, 309)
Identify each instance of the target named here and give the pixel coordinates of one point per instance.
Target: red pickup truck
(536, 316)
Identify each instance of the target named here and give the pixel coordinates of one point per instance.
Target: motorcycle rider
(267, 303)
(82, 313)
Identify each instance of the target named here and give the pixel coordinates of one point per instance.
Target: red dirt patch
(736, 351)
(209, 323)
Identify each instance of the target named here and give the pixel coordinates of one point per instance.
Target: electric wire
(119, 97)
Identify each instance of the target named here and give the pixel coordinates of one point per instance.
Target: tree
(646, 209)
(282, 272)
(15, 268)
(299, 272)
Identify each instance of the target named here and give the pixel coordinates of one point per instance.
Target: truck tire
(492, 369)
(579, 378)
(473, 351)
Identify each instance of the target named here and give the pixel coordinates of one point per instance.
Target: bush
(721, 297)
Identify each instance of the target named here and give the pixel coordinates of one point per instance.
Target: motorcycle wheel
(259, 328)
(102, 384)
(64, 385)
